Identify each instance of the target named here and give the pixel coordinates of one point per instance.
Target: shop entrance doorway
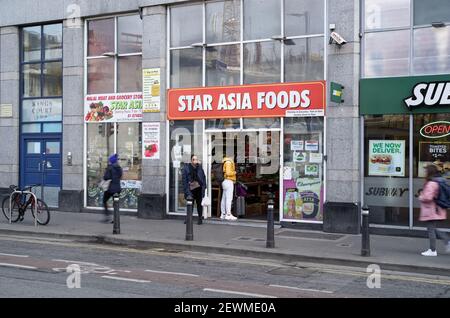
(256, 155)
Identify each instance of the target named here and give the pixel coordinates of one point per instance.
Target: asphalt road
(37, 267)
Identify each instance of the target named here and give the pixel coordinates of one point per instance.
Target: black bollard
(365, 244)
(116, 227)
(189, 224)
(270, 225)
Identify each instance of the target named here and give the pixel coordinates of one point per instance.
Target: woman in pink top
(430, 212)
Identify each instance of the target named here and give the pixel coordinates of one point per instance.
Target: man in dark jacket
(194, 184)
(114, 173)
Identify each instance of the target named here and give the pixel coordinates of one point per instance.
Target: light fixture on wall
(438, 24)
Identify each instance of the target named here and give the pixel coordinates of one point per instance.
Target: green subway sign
(405, 95)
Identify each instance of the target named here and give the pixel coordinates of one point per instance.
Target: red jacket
(429, 210)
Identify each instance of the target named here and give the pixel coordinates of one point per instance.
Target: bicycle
(20, 202)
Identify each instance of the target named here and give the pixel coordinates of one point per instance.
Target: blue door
(41, 164)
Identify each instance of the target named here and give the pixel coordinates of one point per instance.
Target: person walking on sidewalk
(432, 214)
(114, 173)
(194, 184)
(229, 176)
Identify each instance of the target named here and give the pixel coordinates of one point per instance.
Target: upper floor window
(114, 55)
(406, 37)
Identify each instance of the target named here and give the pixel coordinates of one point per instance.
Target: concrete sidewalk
(241, 238)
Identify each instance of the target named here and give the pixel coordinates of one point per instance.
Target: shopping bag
(104, 184)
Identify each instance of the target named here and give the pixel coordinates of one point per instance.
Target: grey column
(9, 94)
(152, 202)
(343, 134)
(71, 198)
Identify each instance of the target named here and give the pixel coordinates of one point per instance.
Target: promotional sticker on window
(151, 83)
(437, 153)
(151, 140)
(113, 107)
(387, 158)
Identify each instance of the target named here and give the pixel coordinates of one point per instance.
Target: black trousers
(197, 194)
(106, 196)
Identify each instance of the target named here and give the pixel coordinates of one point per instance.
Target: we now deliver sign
(305, 99)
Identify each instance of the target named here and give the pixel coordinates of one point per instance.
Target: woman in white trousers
(229, 175)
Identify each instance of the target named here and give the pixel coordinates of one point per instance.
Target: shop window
(383, 14)
(304, 60)
(303, 169)
(223, 21)
(186, 138)
(186, 68)
(261, 20)
(309, 20)
(262, 123)
(186, 25)
(99, 148)
(389, 59)
(262, 62)
(431, 50)
(224, 123)
(431, 146)
(386, 166)
(129, 148)
(429, 11)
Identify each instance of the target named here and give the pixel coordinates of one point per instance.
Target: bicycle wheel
(43, 212)
(15, 215)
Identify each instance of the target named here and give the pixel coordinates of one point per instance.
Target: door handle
(39, 166)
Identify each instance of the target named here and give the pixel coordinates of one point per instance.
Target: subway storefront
(406, 127)
(273, 132)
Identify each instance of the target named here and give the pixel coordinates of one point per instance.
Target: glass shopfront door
(256, 155)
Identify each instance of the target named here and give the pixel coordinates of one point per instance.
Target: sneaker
(223, 216)
(230, 217)
(429, 253)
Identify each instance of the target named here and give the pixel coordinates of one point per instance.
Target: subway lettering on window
(247, 101)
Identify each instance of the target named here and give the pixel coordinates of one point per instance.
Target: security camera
(336, 37)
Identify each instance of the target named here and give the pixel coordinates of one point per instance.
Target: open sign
(436, 129)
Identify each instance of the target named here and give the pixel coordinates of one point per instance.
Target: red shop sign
(305, 99)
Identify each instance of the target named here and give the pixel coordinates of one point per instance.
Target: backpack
(217, 172)
(443, 198)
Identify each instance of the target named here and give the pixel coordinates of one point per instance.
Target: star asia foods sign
(274, 100)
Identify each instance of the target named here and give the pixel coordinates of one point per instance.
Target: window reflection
(431, 50)
(303, 17)
(223, 65)
(100, 75)
(130, 34)
(53, 41)
(31, 43)
(186, 68)
(262, 62)
(262, 19)
(100, 36)
(223, 21)
(186, 25)
(304, 60)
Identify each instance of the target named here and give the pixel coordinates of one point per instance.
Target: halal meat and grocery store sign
(405, 95)
(272, 100)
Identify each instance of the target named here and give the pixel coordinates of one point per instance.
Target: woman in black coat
(114, 173)
(194, 184)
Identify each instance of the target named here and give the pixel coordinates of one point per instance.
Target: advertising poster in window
(302, 199)
(42, 110)
(387, 158)
(150, 141)
(151, 82)
(437, 153)
(121, 107)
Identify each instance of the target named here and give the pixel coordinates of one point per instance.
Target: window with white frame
(233, 42)
(114, 65)
(406, 37)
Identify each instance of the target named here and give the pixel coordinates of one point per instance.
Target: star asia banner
(305, 99)
(113, 107)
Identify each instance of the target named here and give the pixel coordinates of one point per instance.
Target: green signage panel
(336, 92)
(405, 95)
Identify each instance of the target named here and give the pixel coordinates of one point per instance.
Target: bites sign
(274, 100)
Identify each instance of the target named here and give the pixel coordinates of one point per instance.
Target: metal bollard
(189, 223)
(116, 227)
(365, 244)
(270, 225)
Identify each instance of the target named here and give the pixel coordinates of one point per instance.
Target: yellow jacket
(229, 170)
